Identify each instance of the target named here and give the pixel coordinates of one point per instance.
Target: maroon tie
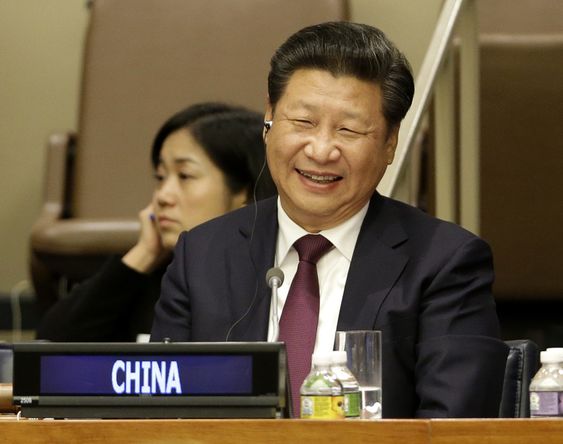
(300, 316)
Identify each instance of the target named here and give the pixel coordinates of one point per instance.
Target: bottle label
(546, 403)
(352, 404)
(322, 407)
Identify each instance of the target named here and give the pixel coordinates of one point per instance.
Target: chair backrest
(146, 59)
(521, 366)
(521, 133)
(521, 162)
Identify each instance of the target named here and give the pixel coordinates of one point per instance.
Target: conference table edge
(201, 431)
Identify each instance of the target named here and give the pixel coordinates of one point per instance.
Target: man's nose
(323, 147)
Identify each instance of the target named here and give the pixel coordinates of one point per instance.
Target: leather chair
(143, 61)
(521, 162)
(521, 366)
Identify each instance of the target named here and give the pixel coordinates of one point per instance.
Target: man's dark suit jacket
(425, 283)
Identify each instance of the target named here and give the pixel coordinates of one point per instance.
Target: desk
(203, 431)
(285, 431)
(496, 431)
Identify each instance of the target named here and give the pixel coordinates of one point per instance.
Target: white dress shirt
(332, 270)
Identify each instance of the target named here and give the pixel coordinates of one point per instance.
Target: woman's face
(190, 188)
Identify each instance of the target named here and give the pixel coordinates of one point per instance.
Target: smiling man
(352, 259)
(329, 147)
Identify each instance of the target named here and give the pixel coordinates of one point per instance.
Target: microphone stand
(275, 321)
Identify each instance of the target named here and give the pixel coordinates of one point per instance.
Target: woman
(208, 159)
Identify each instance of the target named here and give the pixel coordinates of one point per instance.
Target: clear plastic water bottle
(350, 386)
(546, 388)
(321, 393)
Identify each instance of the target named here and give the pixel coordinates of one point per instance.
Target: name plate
(155, 380)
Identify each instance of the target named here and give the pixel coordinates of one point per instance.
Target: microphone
(274, 279)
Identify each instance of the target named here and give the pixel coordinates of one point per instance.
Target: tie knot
(311, 247)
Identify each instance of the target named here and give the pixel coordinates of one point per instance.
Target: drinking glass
(363, 349)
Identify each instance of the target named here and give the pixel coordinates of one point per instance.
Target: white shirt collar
(343, 236)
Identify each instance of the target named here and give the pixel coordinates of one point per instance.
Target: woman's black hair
(232, 138)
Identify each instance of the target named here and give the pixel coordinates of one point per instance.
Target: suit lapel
(375, 267)
(257, 237)
(374, 270)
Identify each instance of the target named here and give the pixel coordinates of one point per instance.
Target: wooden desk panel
(206, 431)
(213, 431)
(496, 431)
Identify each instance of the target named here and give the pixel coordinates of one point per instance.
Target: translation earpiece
(268, 125)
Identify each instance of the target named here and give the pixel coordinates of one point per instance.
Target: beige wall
(408, 23)
(40, 44)
(40, 49)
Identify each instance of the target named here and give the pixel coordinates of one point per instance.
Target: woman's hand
(148, 253)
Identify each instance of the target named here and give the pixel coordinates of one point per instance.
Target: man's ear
(267, 118)
(269, 109)
(391, 143)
